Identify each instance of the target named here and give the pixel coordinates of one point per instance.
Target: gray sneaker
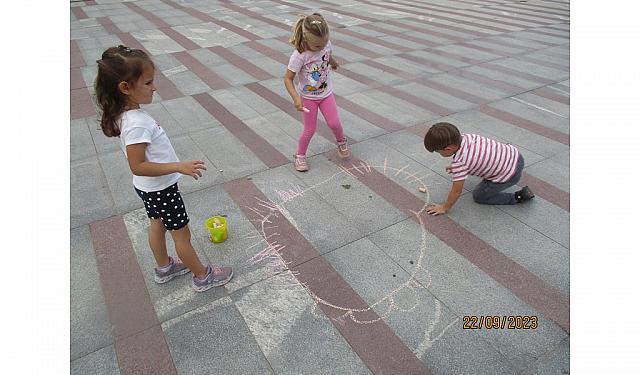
(216, 276)
(164, 274)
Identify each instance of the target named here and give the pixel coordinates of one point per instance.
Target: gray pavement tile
(81, 142)
(208, 58)
(187, 82)
(90, 326)
(275, 182)
(470, 86)
(254, 26)
(255, 101)
(435, 58)
(492, 127)
(156, 42)
(524, 43)
(186, 150)
(408, 66)
(214, 339)
(89, 74)
(562, 158)
(97, 43)
(209, 34)
(174, 298)
(363, 208)
(132, 26)
(227, 153)
(421, 321)
(345, 53)
(540, 255)
(234, 105)
(543, 104)
(552, 172)
(392, 108)
(233, 75)
(288, 326)
(103, 362)
(164, 119)
(555, 362)
(466, 290)
(527, 34)
(119, 181)
(281, 135)
(343, 85)
(468, 52)
(534, 69)
(545, 217)
(103, 144)
(373, 73)
(277, 45)
(355, 127)
(503, 77)
(90, 196)
(529, 111)
(435, 96)
(269, 65)
(189, 114)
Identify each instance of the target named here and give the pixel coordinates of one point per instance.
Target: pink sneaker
(343, 149)
(300, 162)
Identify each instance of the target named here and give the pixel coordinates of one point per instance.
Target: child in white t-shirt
(310, 62)
(124, 81)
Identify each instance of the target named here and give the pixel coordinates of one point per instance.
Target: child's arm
(141, 167)
(334, 63)
(454, 194)
(288, 83)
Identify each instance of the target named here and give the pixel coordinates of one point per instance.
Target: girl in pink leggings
(311, 60)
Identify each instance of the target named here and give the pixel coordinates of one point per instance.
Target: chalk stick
(305, 109)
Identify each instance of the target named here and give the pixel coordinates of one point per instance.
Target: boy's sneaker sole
(164, 279)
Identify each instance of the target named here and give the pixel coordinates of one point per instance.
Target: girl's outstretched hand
(192, 168)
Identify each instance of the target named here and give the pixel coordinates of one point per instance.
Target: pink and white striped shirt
(484, 157)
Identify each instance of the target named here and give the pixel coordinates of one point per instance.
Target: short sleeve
(459, 170)
(135, 135)
(295, 62)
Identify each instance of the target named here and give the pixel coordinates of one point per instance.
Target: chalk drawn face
(274, 245)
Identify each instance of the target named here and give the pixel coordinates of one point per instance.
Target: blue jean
(488, 192)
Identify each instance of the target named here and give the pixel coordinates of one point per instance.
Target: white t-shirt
(136, 126)
(312, 70)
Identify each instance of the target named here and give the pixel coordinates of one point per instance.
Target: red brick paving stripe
(268, 154)
(551, 34)
(522, 283)
(374, 40)
(109, 25)
(417, 101)
(79, 13)
(207, 75)
(182, 40)
(525, 124)
(490, 50)
(287, 107)
(90, 2)
(376, 344)
(454, 56)
(371, 117)
(241, 63)
(140, 344)
(546, 191)
(548, 64)
(207, 18)
(551, 95)
(75, 56)
(347, 72)
(81, 104)
(357, 49)
(76, 80)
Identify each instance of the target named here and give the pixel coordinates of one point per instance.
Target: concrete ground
(337, 270)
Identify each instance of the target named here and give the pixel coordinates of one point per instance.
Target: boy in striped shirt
(499, 164)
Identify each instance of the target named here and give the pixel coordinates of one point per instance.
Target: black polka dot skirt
(166, 205)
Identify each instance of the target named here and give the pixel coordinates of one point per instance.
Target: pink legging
(329, 110)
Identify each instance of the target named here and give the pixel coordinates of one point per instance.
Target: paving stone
(466, 290)
(90, 327)
(234, 105)
(81, 142)
(544, 104)
(526, 110)
(545, 217)
(218, 325)
(287, 326)
(103, 361)
(533, 69)
(555, 362)
(552, 172)
(90, 196)
(421, 321)
(189, 114)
